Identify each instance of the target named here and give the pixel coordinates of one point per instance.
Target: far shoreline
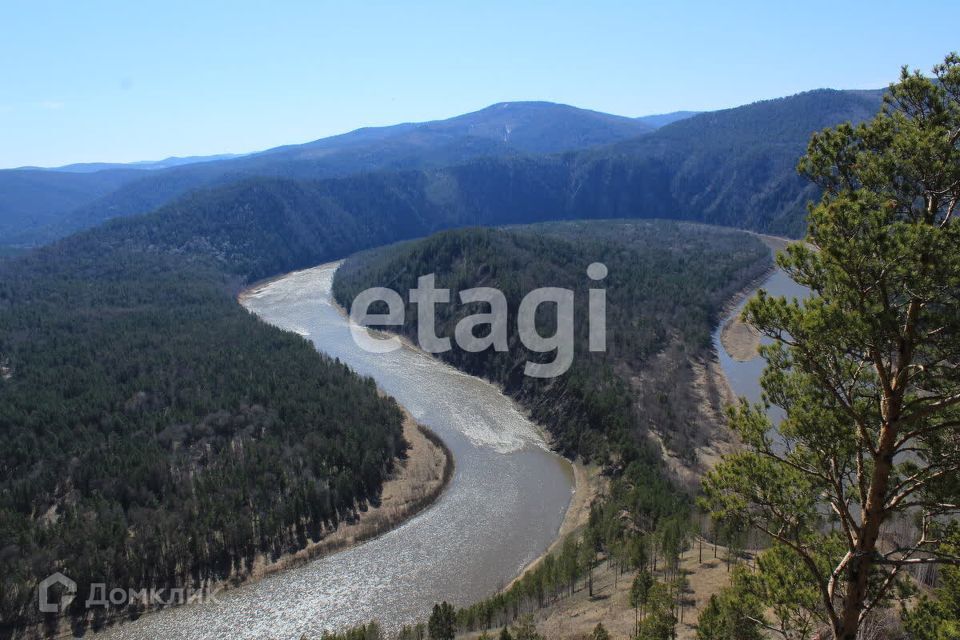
(738, 338)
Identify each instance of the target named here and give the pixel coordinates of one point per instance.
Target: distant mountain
(500, 130)
(734, 167)
(542, 127)
(145, 165)
(533, 127)
(35, 198)
(663, 119)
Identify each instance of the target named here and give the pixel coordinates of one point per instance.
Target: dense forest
(155, 434)
(33, 199)
(666, 285)
(734, 167)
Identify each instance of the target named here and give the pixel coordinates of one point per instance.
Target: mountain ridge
(142, 165)
(535, 127)
(690, 170)
(733, 167)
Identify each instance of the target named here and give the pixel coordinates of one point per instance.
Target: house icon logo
(69, 592)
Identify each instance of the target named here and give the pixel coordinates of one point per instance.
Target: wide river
(502, 509)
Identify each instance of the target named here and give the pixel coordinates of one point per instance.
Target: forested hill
(667, 282)
(734, 167)
(33, 198)
(651, 390)
(506, 129)
(261, 227)
(155, 434)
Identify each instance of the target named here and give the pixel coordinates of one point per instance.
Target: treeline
(641, 529)
(153, 434)
(666, 285)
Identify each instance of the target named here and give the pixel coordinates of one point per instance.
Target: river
(744, 376)
(502, 509)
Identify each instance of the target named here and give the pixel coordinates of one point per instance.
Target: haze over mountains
(143, 165)
(510, 162)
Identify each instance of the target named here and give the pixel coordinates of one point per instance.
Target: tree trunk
(858, 571)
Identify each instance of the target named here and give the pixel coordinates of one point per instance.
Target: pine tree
(866, 368)
(939, 618)
(442, 623)
(640, 593)
(599, 633)
(525, 629)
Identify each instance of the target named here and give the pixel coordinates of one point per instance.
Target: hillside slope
(153, 434)
(35, 198)
(534, 161)
(733, 168)
(666, 285)
(500, 130)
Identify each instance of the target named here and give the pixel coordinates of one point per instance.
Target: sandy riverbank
(588, 485)
(740, 339)
(417, 482)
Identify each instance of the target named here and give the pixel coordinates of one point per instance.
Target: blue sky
(123, 81)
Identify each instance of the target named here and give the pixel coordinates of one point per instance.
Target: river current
(502, 509)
